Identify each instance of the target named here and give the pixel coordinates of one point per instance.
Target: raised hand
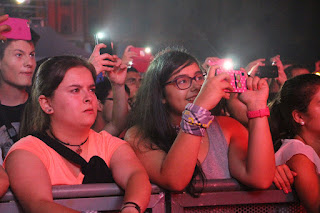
(100, 62)
(253, 66)
(282, 75)
(256, 96)
(4, 27)
(127, 55)
(213, 89)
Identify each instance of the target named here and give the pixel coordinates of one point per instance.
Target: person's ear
(164, 101)
(298, 117)
(100, 106)
(45, 104)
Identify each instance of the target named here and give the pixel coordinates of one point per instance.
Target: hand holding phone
(109, 49)
(238, 77)
(238, 80)
(20, 29)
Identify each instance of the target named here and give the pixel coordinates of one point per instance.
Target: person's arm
(130, 175)
(23, 169)
(307, 183)
(4, 181)
(251, 154)
(117, 78)
(174, 170)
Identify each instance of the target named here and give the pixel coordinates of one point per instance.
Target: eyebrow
(78, 85)
(177, 76)
(24, 51)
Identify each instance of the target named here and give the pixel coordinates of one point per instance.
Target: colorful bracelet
(258, 113)
(131, 204)
(195, 120)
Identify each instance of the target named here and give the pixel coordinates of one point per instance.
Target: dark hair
(149, 114)
(103, 89)
(295, 94)
(289, 69)
(47, 79)
(3, 45)
(132, 69)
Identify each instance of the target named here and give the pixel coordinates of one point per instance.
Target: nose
(29, 62)
(195, 85)
(87, 97)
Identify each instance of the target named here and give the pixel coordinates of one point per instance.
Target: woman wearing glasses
(179, 141)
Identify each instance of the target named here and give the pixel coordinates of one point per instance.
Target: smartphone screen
(107, 42)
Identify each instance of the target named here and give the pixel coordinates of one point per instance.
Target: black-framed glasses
(184, 82)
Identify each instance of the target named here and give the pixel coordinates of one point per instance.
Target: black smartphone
(107, 41)
(268, 71)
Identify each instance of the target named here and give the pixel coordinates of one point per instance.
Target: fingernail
(286, 191)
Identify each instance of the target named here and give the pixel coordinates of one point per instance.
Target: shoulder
(33, 145)
(132, 135)
(136, 140)
(231, 127)
(293, 149)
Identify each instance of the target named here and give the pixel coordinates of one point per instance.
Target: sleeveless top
(215, 165)
(291, 147)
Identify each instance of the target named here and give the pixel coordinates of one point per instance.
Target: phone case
(142, 60)
(238, 80)
(20, 29)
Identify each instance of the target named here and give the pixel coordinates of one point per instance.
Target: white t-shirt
(291, 147)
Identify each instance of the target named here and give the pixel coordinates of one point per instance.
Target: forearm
(260, 162)
(179, 164)
(137, 190)
(119, 110)
(46, 206)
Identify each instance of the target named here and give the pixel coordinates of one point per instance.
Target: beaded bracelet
(131, 204)
(195, 120)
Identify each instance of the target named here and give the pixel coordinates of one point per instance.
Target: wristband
(131, 204)
(258, 113)
(195, 120)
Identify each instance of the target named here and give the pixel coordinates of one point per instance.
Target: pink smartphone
(238, 80)
(142, 60)
(20, 29)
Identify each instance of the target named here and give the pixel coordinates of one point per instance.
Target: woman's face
(74, 102)
(312, 117)
(176, 98)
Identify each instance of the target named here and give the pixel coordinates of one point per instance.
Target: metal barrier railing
(217, 196)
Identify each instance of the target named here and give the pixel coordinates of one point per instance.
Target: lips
(191, 99)
(89, 110)
(27, 73)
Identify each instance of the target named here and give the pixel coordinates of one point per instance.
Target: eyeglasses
(132, 81)
(184, 82)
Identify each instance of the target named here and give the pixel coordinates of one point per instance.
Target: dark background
(244, 30)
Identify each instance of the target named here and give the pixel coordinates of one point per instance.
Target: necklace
(78, 150)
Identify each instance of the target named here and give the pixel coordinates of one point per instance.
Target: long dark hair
(150, 115)
(47, 79)
(295, 94)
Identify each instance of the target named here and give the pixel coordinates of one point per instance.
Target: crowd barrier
(217, 196)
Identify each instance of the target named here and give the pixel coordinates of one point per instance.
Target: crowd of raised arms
(177, 123)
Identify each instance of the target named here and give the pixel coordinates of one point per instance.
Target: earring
(302, 123)
(49, 110)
